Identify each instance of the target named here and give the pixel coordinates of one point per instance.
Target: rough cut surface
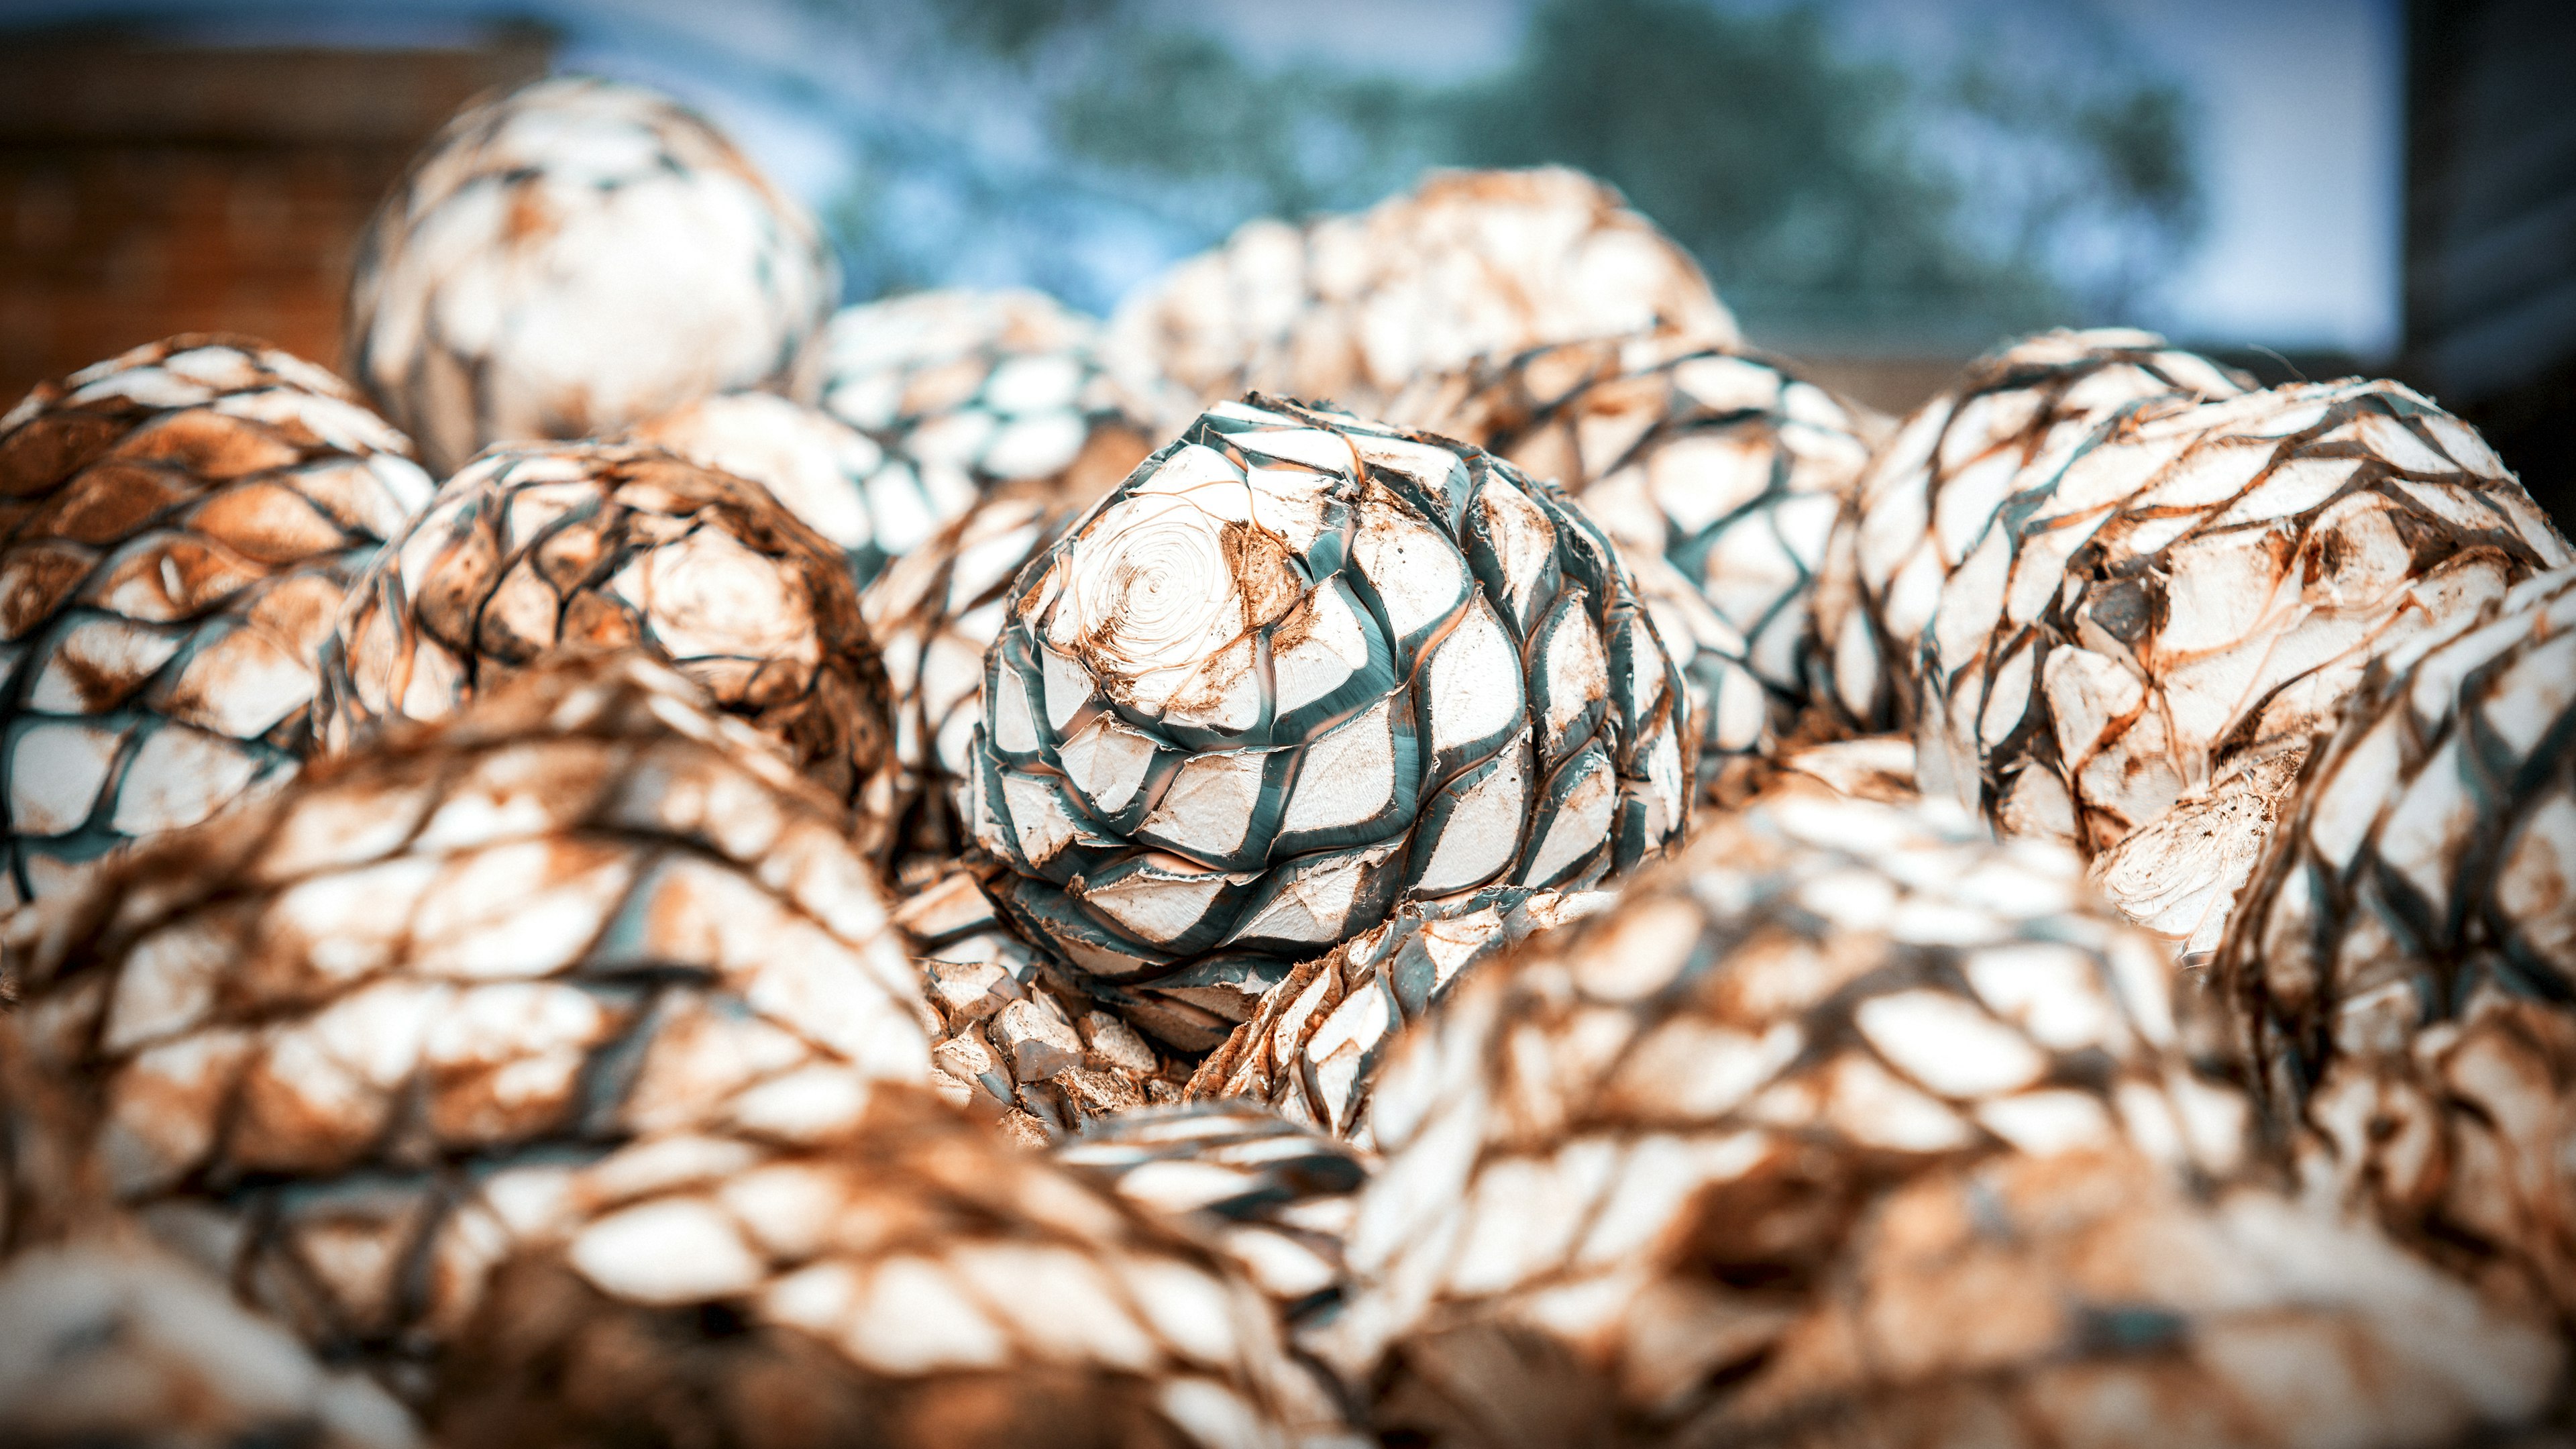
(976, 391)
(1312, 1050)
(2149, 628)
(831, 476)
(1348, 310)
(1929, 493)
(574, 257)
(1297, 667)
(1856, 1127)
(537, 552)
(1725, 466)
(2405, 957)
(932, 616)
(341, 1044)
(910, 1281)
(1014, 1043)
(178, 526)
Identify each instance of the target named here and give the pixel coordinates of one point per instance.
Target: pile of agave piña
(1405, 841)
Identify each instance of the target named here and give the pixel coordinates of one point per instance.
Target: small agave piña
(1297, 667)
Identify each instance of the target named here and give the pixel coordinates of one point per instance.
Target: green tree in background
(1830, 193)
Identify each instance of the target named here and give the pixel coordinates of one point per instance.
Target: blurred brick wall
(150, 189)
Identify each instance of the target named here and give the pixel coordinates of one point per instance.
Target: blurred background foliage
(1833, 194)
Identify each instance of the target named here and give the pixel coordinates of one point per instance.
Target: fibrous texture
(977, 392)
(2405, 957)
(911, 1281)
(537, 552)
(1855, 1126)
(834, 478)
(932, 616)
(178, 527)
(1276, 1197)
(1722, 465)
(2148, 627)
(573, 257)
(1928, 495)
(1013, 1043)
(110, 1344)
(1311, 1051)
(1297, 667)
(1350, 309)
(342, 1043)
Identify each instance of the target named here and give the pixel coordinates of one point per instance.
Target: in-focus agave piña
(1927, 496)
(908, 1281)
(2405, 957)
(1676, 1174)
(342, 1041)
(178, 527)
(1350, 309)
(1011, 1041)
(2149, 625)
(1312, 1050)
(1275, 1196)
(830, 475)
(109, 1343)
(976, 391)
(1721, 464)
(1297, 667)
(534, 552)
(573, 257)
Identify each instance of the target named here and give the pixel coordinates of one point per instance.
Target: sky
(2297, 106)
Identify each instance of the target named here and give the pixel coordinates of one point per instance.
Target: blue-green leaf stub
(1300, 667)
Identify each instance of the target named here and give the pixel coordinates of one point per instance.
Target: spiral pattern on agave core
(1300, 666)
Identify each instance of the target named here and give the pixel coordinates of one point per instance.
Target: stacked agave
(574, 257)
(1297, 667)
(1928, 494)
(181, 526)
(1012, 403)
(2150, 621)
(982, 391)
(1854, 1126)
(343, 1043)
(835, 479)
(1352, 309)
(534, 552)
(1276, 1197)
(2405, 957)
(1312, 1051)
(907, 1281)
(1722, 465)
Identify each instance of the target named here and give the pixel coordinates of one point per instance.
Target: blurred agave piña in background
(1299, 665)
(573, 257)
(1349, 310)
(1720, 476)
(181, 526)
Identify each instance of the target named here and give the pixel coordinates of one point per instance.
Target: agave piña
(573, 257)
(183, 522)
(1297, 667)
(2405, 956)
(1854, 1126)
(1352, 309)
(2149, 624)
